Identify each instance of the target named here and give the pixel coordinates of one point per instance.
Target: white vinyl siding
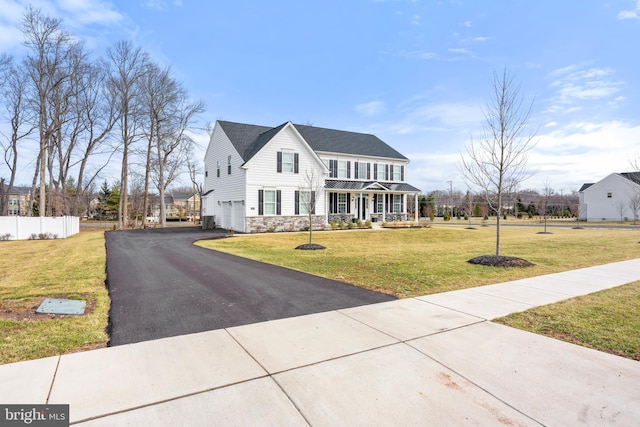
(262, 172)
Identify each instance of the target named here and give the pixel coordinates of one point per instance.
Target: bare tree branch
(497, 162)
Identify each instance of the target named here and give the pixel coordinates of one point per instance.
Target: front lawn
(606, 321)
(423, 261)
(413, 262)
(30, 271)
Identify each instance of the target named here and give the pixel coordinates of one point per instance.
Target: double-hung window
(269, 202)
(229, 165)
(381, 172)
(379, 203)
(287, 162)
(343, 168)
(304, 202)
(397, 202)
(342, 203)
(397, 173)
(362, 170)
(218, 169)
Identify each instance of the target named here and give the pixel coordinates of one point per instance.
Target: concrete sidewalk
(433, 360)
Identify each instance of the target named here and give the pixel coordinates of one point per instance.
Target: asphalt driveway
(161, 285)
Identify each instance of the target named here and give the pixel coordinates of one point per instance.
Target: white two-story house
(260, 178)
(614, 198)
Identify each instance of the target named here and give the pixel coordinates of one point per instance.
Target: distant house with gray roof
(615, 197)
(260, 178)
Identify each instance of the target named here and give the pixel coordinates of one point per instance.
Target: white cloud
(460, 50)
(162, 4)
(371, 108)
(583, 152)
(573, 84)
(630, 14)
(567, 156)
(90, 12)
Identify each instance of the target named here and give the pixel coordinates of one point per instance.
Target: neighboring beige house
(182, 205)
(260, 178)
(19, 201)
(613, 198)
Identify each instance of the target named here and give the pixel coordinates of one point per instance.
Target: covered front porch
(352, 201)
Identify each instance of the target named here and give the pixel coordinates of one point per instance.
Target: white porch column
(405, 208)
(384, 207)
(416, 205)
(326, 207)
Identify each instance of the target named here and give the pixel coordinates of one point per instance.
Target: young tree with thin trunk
(306, 195)
(547, 193)
(497, 162)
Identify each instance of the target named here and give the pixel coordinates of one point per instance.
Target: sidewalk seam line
(53, 379)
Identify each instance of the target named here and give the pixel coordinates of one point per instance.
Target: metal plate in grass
(61, 306)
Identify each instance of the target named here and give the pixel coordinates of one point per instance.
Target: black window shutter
(297, 202)
(332, 168)
(260, 202)
(313, 203)
(355, 170)
(386, 173)
(348, 200)
(368, 170)
(278, 202)
(279, 162)
(295, 162)
(375, 171)
(401, 173)
(348, 170)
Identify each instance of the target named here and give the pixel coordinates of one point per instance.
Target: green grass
(405, 262)
(606, 321)
(417, 262)
(413, 262)
(70, 268)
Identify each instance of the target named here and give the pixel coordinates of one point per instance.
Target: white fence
(24, 228)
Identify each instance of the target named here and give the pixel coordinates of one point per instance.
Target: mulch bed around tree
(500, 261)
(310, 247)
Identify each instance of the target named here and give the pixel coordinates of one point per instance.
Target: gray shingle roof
(249, 139)
(585, 186)
(632, 176)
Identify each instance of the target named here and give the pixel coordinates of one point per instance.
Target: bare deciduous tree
(128, 66)
(306, 196)
(49, 47)
(171, 114)
(497, 162)
(13, 91)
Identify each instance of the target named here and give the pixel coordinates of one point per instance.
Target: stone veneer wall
(263, 224)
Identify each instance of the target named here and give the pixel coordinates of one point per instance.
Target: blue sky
(415, 73)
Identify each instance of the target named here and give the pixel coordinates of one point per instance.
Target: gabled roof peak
(249, 139)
